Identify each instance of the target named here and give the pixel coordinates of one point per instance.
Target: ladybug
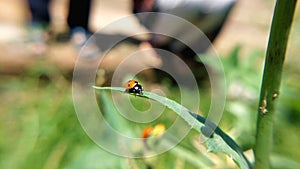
(133, 86)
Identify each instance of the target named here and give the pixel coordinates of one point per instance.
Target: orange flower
(147, 131)
(158, 130)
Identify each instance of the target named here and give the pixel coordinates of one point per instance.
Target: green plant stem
(275, 56)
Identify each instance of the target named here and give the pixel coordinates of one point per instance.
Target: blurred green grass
(39, 127)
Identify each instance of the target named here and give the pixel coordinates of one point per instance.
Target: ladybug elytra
(133, 86)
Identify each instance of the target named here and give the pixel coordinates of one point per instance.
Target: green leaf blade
(220, 142)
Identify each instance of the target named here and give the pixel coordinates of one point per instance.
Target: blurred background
(38, 124)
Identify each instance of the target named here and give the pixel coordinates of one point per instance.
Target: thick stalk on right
(274, 61)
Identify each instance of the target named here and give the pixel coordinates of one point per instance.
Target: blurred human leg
(40, 11)
(40, 19)
(78, 21)
(79, 13)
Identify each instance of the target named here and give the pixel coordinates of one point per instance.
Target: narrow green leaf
(219, 142)
(113, 118)
(233, 58)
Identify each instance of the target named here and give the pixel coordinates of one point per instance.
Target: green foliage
(243, 75)
(129, 128)
(39, 127)
(220, 142)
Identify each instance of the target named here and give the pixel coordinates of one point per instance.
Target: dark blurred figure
(78, 22)
(207, 15)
